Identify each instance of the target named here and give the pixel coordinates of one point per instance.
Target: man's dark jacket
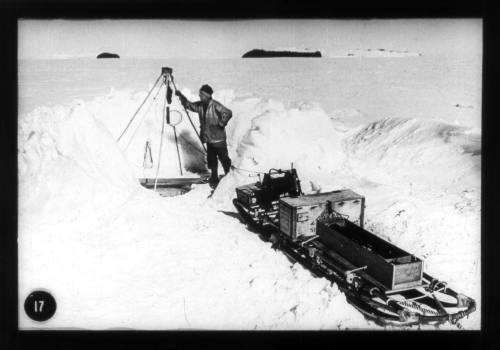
(213, 120)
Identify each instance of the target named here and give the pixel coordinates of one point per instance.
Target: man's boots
(213, 181)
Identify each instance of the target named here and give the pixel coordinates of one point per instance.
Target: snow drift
(423, 189)
(187, 262)
(70, 168)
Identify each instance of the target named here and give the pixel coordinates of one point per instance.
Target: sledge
(324, 232)
(172, 182)
(168, 187)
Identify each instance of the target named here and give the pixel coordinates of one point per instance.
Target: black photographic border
(13, 10)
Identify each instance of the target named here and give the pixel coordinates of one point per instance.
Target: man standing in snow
(213, 120)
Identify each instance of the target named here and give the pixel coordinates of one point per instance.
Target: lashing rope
(248, 171)
(415, 306)
(437, 285)
(195, 148)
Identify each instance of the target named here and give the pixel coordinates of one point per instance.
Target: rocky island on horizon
(108, 55)
(259, 53)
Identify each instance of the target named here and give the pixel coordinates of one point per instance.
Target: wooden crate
(393, 267)
(297, 215)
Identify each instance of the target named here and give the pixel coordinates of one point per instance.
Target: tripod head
(166, 71)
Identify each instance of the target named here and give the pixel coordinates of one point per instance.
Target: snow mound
(414, 151)
(266, 135)
(422, 182)
(70, 168)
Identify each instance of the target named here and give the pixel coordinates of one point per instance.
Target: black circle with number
(40, 305)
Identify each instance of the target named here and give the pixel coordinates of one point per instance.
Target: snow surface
(116, 255)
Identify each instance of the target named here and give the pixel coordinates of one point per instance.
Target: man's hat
(207, 89)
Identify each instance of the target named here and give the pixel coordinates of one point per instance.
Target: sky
(231, 39)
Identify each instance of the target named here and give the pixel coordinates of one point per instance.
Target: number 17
(38, 305)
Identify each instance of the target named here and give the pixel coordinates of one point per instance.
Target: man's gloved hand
(181, 96)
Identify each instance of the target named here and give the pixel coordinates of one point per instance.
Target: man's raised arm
(186, 103)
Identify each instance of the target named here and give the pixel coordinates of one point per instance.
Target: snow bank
(422, 181)
(265, 135)
(70, 168)
(414, 151)
(125, 257)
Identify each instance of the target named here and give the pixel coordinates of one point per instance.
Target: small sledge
(172, 182)
(324, 232)
(168, 187)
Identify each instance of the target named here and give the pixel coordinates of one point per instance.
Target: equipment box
(391, 266)
(248, 195)
(297, 215)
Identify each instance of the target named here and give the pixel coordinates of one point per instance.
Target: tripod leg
(178, 153)
(161, 144)
(138, 109)
(185, 110)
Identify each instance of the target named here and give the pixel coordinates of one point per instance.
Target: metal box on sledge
(297, 215)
